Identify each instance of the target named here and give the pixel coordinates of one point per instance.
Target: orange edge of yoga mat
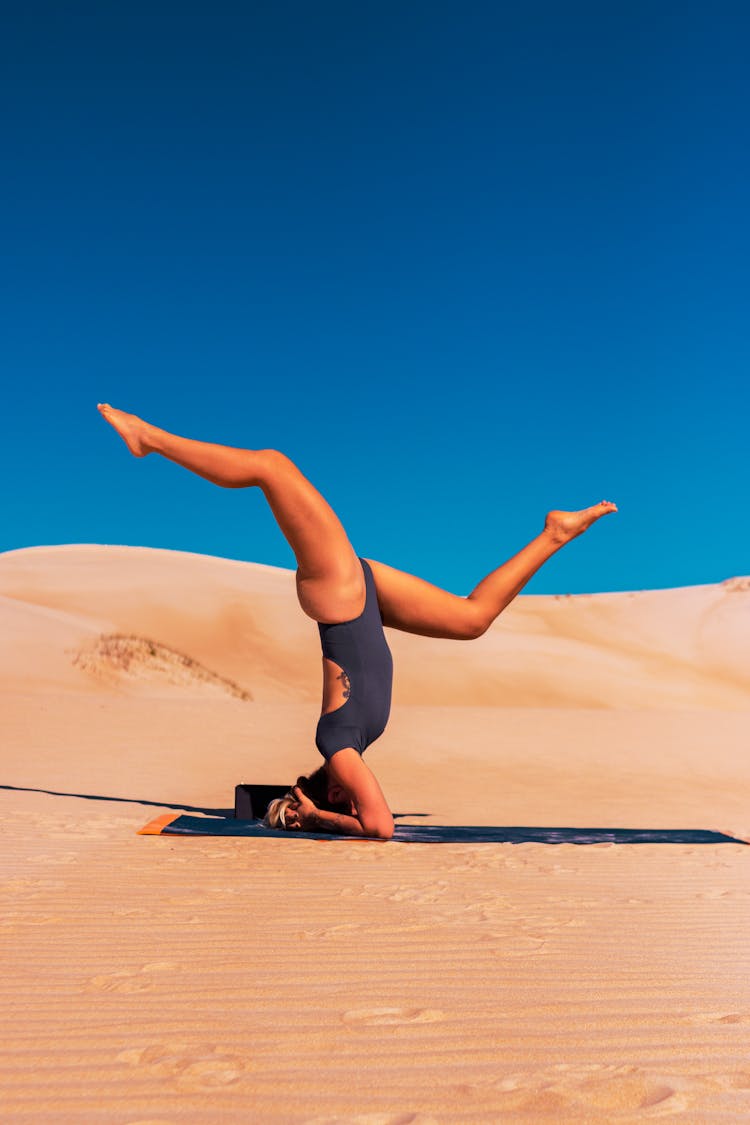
(155, 826)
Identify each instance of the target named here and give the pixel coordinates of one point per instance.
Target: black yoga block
(251, 801)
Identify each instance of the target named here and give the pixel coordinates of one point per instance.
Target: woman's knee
(245, 468)
(272, 460)
(475, 621)
(332, 595)
(272, 466)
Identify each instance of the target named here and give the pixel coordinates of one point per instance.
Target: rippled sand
(161, 980)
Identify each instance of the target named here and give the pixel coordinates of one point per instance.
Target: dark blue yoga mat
(171, 825)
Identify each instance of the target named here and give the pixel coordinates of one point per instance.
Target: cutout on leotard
(336, 687)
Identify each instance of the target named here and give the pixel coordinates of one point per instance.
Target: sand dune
(665, 648)
(151, 980)
(235, 619)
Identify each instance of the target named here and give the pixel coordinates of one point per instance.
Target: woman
(351, 599)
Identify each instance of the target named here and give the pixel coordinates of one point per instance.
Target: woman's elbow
(379, 829)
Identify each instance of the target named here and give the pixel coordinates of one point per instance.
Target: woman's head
(276, 812)
(321, 791)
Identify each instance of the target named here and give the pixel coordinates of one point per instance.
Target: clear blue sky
(464, 262)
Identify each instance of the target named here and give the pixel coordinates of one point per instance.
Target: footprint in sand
(738, 1080)
(151, 1121)
(91, 830)
(423, 895)
(719, 1017)
(330, 931)
(649, 1095)
(25, 889)
(373, 1119)
(391, 1017)
(583, 1090)
(57, 859)
(492, 910)
(520, 945)
(717, 892)
(11, 921)
(189, 1067)
(129, 980)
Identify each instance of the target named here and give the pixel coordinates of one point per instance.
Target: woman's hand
(301, 814)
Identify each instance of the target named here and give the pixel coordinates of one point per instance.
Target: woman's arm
(321, 820)
(373, 817)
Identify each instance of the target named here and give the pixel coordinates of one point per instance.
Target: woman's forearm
(324, 821)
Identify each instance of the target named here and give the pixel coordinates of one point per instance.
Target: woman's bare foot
(132, 429)
(564, 526)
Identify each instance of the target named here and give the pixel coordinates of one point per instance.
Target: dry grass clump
(117, 658)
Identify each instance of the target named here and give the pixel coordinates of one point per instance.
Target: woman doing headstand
(351, 599)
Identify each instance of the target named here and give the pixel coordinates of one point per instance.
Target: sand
(155, 980)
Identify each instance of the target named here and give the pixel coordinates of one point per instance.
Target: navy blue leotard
(360, 649)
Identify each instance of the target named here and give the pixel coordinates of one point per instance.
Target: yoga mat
(173, 824)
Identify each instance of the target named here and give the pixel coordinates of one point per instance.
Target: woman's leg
(415, 606)
(330, 582)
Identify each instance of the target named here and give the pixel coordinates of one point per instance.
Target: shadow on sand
(123, 800)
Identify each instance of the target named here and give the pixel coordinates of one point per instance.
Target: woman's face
(338, 796)
(322, 790)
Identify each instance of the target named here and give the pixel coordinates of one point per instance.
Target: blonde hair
(276, 812)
